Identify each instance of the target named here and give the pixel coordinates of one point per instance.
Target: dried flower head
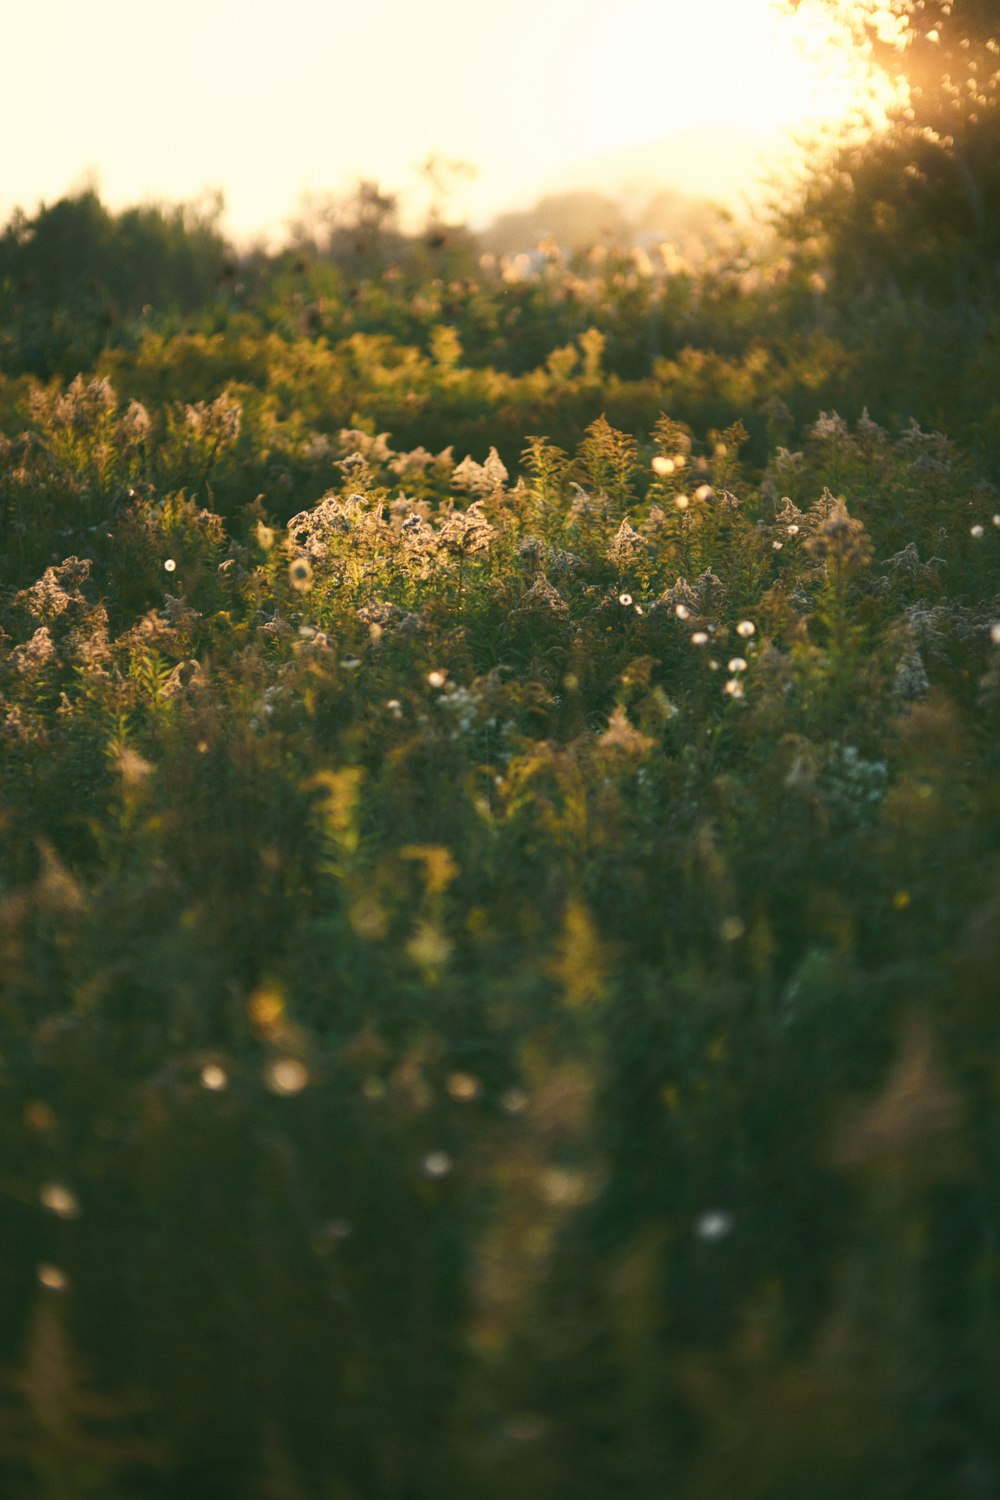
(466, 531)
(840, 541)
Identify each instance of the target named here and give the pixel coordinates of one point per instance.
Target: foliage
(357, 323)
(498, 953)
(74, 271)
(915, 212)
(498, 923)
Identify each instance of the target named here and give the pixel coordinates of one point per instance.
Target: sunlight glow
(264, 105)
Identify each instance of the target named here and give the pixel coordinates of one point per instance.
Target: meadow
(500, 907)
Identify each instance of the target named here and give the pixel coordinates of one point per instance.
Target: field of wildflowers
(500, 907)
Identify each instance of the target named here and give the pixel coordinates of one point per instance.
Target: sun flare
(743, 63)
(232, 101)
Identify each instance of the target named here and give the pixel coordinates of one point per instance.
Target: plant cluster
(444, 342)
(498, 948)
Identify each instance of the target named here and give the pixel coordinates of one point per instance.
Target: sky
(267, 101)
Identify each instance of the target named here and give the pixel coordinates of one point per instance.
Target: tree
(76, 276)
(915, 208)
(77, 250)
(359, 232)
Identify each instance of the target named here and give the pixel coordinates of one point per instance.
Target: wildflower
(911, 681)
(995, 634)
(170, 566)
(976, 531)
(663, 466)
(300, 575)
(531, 551)
(734, 688)
(625, 599)
(136, 423)
(856, 780)
(381, 616)
(437, 678)
(52, 1278)
(58, 590)
(466, 531)
(700, 638)
(840, 541)
(713, 1225)
(132, 767)
(621, 735)
(704, 492)
(792, 530)
(563, 1188)
(266, 1008)
(777, 546)
(429, 948)
(214, 1078)
(59, 1201)
(462, 1087)
(464, 705)
(541, 599)
(436, 1164)
(417, 462)
(481, 479)
(286, 1075)
(627, 547)
(217, 420)
(370, 450)
(82, 407)
(682, 612)
(682, 502)
(737, 664)
(829, 428)
(681, 593)
(746, 628)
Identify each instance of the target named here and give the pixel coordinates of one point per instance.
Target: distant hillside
(722, 163)
(579, 219)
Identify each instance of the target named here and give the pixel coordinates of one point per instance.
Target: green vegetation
(498, 932)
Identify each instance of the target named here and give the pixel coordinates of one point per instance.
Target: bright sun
(236, 97)
(744, 62)
(738, 79)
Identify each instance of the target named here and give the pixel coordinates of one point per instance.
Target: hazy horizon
(222, 99)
